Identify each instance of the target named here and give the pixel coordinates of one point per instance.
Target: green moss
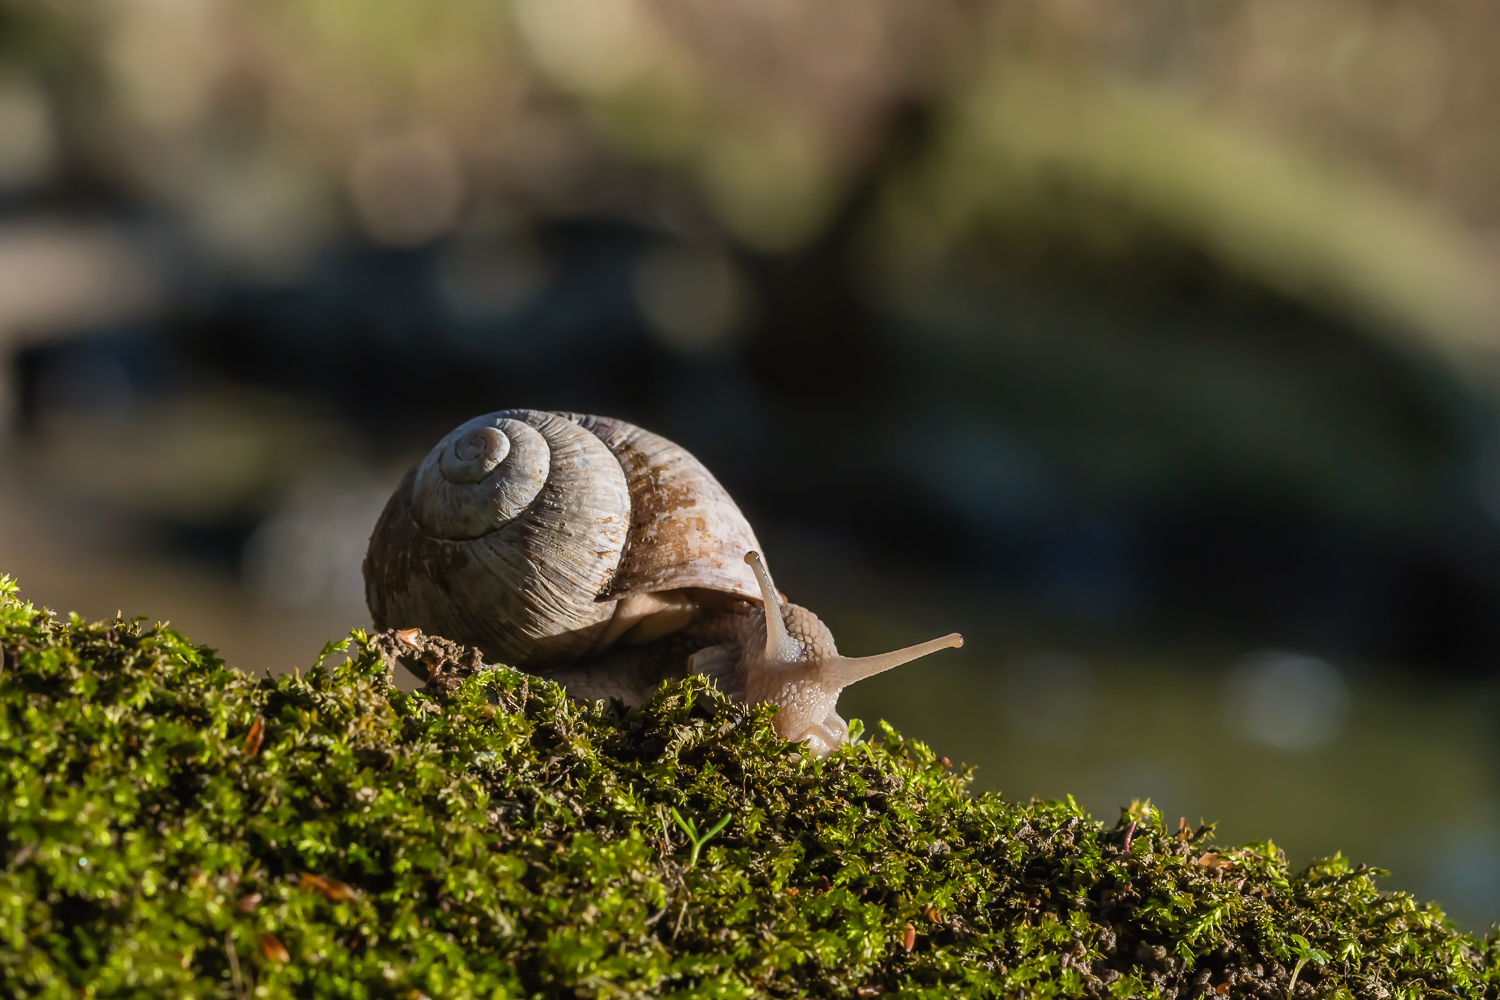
(173, 828)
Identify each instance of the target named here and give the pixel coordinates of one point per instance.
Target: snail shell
(608, 558)
(524, 532)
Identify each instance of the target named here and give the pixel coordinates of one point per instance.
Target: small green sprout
(691, 829)
(1305, 953)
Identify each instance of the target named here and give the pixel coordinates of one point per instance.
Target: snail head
(787, 657)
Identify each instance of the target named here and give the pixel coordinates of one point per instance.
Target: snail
(605, 557)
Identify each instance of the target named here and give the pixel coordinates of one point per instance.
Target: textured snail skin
(607, 558)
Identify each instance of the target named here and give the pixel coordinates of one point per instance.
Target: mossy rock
(174, 828)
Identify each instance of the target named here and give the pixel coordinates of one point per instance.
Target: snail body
(592, 551)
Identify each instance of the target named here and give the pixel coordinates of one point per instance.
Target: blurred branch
(1320, 228)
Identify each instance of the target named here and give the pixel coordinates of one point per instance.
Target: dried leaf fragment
(255, 737)
(330, 887)
(273, 949)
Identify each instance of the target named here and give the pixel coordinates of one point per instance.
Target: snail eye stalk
(779, 646)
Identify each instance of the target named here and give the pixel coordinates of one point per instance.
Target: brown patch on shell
(685, 529)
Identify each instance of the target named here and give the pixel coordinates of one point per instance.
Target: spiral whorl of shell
(521, 530)
(479, 478)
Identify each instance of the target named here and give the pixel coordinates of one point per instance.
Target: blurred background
(1152, 346)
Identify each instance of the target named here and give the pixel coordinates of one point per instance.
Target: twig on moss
(234, 966)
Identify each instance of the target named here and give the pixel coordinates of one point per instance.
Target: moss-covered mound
(172, 828)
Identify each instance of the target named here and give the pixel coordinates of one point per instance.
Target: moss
(173, 828)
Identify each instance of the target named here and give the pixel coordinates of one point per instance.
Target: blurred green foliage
(1338, 154)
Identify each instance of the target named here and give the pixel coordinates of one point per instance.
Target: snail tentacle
(845, 670)
(780, 647)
